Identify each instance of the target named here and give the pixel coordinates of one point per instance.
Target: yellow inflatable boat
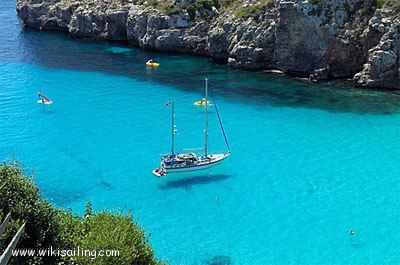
(152, 63)
(203, 102)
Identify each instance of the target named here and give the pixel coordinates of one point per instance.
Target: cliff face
(321, 39)
(382, 68)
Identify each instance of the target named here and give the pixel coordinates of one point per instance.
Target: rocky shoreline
(320, 39)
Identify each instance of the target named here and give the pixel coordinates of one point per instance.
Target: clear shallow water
(309, 162)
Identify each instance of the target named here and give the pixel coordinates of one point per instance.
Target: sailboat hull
(204, 163)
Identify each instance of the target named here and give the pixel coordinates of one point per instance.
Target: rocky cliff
(321, 39)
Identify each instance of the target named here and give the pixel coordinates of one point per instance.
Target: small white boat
(42, 99)
(159, 172)
(186, 162)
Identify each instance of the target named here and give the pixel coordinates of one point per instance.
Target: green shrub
(202, 6)
(169, 8)
(250, 11)
(21, 197)
(63, 230)
(112, 231)
(395, 7)
(225, 3)
(391, 4)
(342, 33)
(380, 3)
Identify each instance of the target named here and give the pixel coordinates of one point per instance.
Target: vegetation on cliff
(391, 4)
(256, 10)
(49, 227)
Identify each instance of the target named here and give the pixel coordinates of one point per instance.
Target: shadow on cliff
(59, 51)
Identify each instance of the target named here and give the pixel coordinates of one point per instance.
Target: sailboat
(42, 99)
(185, 162)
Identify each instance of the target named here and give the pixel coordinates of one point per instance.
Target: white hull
(40, 101)
(202, 164)
(215, 160)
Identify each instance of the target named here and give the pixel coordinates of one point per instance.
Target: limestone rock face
(250, 43)
(319, 39)
(149, 29)
(218, 42)
(383, 66)
(136, 26)
(324, 36)
(116, 24)
(46, 15)
(87, 24)
(108, 25)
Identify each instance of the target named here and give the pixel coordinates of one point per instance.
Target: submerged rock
(319, 39)
(220, 260)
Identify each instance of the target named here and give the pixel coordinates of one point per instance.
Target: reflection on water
(187, 182)
(47, 111)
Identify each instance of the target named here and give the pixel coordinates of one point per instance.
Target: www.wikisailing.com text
(93, 253)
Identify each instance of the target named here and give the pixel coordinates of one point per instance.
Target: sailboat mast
(173, 129)
(206, 121)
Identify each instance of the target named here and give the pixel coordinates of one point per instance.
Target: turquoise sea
(309, 162)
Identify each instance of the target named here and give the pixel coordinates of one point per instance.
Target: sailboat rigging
(184, 162)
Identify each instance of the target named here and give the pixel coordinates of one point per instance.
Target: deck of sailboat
(202, 163)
